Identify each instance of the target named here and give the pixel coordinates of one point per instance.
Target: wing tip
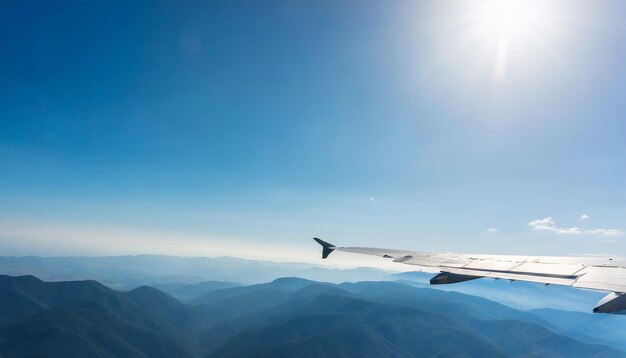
(327, 248)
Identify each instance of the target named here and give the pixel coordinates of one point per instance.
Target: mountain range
(285, 317)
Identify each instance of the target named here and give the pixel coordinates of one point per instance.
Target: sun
(510, 18)
(508, 26)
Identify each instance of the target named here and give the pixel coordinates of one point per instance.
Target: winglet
(326, 247)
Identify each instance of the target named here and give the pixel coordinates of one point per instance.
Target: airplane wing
(595, 273)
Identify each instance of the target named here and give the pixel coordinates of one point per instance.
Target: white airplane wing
(595, 273)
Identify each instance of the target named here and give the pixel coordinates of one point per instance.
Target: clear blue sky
(240, 127)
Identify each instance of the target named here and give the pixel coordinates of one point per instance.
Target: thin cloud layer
(548, 224)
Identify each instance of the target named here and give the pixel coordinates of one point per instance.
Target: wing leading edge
(595, 273)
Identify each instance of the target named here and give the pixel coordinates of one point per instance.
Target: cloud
(547, 224)
(492, 229)
(584, 217)
(371, 198)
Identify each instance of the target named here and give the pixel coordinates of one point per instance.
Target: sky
(246, 128)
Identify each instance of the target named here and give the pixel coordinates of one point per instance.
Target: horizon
(340, 264)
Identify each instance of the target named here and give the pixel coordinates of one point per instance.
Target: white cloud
(584, 217)
(371, 198)
(547, 224)
(492, 229)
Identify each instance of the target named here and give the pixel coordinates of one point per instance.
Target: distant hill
(241, 301)
(188, 292)
(285, 317)
(518, 294)
(128, 272)
(85, 318)
(588, 327)
(285, 284)
(339, 326)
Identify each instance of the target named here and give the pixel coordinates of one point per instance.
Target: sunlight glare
(510, 17)
(509, 25)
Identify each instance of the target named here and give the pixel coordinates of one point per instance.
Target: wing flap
(602, 278)
(549, 280)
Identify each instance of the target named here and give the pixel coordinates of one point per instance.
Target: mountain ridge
(279, 318)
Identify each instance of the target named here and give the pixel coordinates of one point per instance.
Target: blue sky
(244, 128)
